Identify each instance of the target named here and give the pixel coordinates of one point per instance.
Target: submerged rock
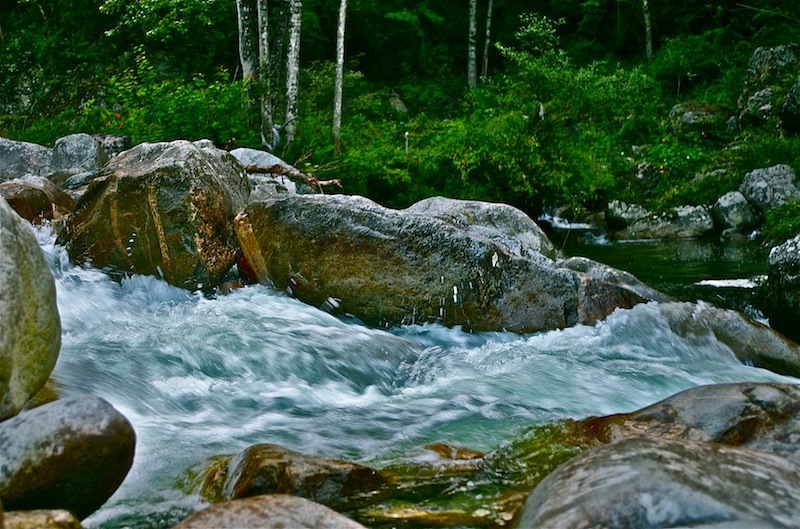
(760, 416)
(30, 326)
(269, 512)
(657, 483)
(752, 342)
(389, 267)
(780, 295)
(71, 454)
(271, 469)
(162, 209)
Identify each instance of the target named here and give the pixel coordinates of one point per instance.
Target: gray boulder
(620, 215)
(779, 297)
(656, 483)
(20, 158)
(390, 267)
(113, 144)
(30, 327)
(765, 86)
(683, 222)
(269, 512)
(732, 213)
(503, 224)
(752, 342)
(275, 179)
(162, 209)
(77, 153)
(770, 187)
(760, 416)
(71, 454)
(695, 120)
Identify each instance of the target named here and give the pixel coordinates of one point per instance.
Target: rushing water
(199, 377)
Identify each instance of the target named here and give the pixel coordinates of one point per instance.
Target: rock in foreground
(389, 267)
(162, 209)
(656, 483)
(269, 512)
(71, 454)
(30, 327)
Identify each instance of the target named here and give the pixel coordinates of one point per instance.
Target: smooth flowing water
(199, 377)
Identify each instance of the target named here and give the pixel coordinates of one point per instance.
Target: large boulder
(270, 469)
(760, 416)
(77, 153)
(41, 519)
(779, 297)
(656, 483)
(752, 342)
(269, 512)
(71, 454)
(30, 327)
(765, 84)
(732, 214)
(770, 187)
(36, 199)
(683, 222)
(619, 215)
(20, 158)
(390, 267)
(162, 209)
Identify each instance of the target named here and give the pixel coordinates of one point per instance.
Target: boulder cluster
(202, 219)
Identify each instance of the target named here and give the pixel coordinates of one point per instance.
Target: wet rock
(40, 520)
(20, 158)
(732, 214)
(30, 327)
(269, 512)
(779, 296)
(759, 416)
(271, 469)
(683, 222)
(620, 215)
(752, 343)
(390, 267)
(657, 483)
(770, 187)
(71, 454)
(503, 224)
(613, 276)
(36, 199)
(161, 209)
(76, 153)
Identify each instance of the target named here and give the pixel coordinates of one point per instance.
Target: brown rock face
(389, 267)
(36, 199)
(162, 209)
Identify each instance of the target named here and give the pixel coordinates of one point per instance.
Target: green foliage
(781, 223)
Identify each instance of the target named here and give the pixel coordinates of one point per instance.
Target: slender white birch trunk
(267, 110)
(293, 68)
(472, 59)
(248, 52)
(487, 39)
(339, 82)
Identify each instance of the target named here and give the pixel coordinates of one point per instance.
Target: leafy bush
(782, 223)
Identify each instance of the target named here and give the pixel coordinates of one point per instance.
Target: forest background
(532, 103)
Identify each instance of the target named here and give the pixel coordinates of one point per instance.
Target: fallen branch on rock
(295, 175)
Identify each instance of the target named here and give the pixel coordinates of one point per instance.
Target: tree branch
(294, 175)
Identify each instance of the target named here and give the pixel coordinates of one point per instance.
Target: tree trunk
(648, 31)
(337, 95)
(267, 108)
(472, 60)
(248, 52)
(293, 68)
(485, 69)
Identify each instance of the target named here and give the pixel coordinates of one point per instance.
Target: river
(200, 376)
